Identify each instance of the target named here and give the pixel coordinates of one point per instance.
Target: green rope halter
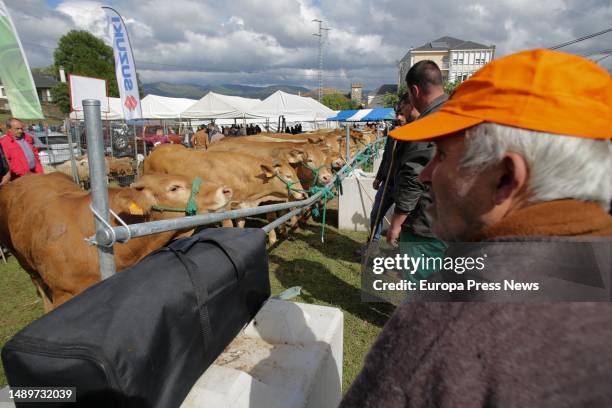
(328, 194)
(315, 171)
(192, 205)
(290, 184)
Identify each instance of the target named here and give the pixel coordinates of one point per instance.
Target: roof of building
(448, 43)
(387, 88)
(44, 81)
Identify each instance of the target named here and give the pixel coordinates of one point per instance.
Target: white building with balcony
(457, 59)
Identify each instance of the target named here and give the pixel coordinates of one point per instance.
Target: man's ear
(414, 91)
(513, 177)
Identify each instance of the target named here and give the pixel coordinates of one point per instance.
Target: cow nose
(325, 178)
(227, 192)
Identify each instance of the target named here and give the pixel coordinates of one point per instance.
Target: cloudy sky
(261, 42)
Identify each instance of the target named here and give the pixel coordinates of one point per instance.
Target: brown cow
(199, 140)
(119, 166)
(45, 218)
(306, 158)
(253, 179)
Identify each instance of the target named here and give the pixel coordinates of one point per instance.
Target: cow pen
(106, 235)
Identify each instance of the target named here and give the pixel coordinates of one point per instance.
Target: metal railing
(106, 236)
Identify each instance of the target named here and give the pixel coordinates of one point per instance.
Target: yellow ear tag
(135, 209)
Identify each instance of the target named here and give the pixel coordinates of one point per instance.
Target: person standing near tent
(18, 148)
(410, 223)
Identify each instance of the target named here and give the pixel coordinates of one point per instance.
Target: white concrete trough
(289, 356)
(355, 203)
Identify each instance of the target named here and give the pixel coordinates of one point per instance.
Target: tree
(390, 100)
(81, 53)
(60, 97)
(449, 87)
(337, 101)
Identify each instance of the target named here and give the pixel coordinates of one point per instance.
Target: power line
(603, 58)
(577, 40)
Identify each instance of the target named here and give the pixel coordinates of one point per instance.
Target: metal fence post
(99, 182)
(73, 166)
(348, 145)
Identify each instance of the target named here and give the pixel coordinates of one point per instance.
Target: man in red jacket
(19, 150)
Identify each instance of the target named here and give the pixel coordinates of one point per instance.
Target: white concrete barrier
(289, 356)
(355, 203)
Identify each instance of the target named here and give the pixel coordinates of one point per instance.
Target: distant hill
(194, 91)
(324, 91)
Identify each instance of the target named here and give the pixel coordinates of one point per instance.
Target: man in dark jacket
(531, 187)
(384, 180)
(410, 224)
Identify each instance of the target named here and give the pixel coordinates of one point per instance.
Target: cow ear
(268, 171)
(127, 203)
(314, 140)
(138, 185)
(296, 156)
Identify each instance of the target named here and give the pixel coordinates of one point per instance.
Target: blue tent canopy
(380, 114)
(343, 115)
(364, 115)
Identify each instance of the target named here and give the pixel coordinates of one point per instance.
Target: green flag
(15, 71)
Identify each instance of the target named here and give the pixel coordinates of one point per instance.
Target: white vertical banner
(125, 69)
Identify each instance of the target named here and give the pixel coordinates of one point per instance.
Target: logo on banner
(124, 59)
(131, 103)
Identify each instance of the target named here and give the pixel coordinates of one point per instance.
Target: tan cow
(309, 160)
(119, 166)
(253, 179)
(45, 218)
(199, 140)
(82, 167)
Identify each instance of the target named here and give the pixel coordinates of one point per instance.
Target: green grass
(328, 273)
(20, 303)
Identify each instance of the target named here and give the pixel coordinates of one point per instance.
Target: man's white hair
(559, 166)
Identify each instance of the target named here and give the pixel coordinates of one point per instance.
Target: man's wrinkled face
(16, 128)
(461, 200)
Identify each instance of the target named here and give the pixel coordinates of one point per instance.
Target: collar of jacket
(434, 105)
(12, 136)
(564, 218)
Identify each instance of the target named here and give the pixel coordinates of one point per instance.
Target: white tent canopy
(162, 107)
(293, 107)
(109, 110)
(216, 106)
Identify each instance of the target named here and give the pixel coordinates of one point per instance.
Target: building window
(460, 58)
(472, 55)
(2, 92)
(454, 58)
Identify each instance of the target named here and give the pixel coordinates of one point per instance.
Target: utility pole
(320, 76)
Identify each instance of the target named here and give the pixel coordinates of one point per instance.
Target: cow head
(169, 191)
(285, 178)
(315, 164)
(295, 156)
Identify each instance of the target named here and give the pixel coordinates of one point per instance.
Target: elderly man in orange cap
(523, 169)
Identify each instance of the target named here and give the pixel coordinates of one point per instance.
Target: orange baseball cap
(541, 90)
